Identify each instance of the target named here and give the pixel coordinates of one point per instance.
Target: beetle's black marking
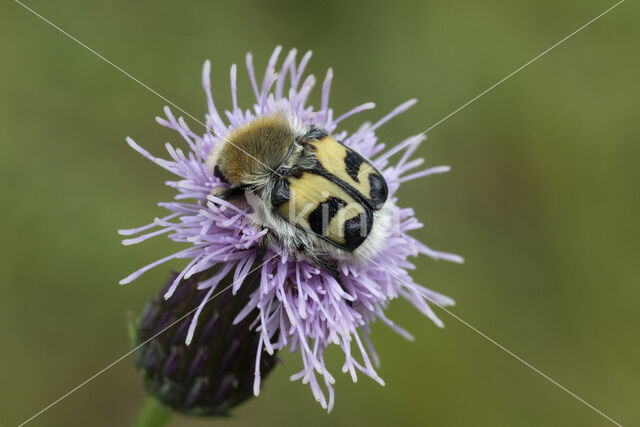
(352, 163)
(280, 194)
(328, 240)
(320, 217)
(356, 230)
(292, 172)
(218, 174)
(379, 191)
(314, 134)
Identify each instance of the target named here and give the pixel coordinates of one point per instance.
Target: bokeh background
(542, 201)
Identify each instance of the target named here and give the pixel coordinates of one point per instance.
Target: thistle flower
(214, 373)
(300, 306)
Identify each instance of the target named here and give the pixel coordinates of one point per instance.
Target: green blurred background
(542, 200)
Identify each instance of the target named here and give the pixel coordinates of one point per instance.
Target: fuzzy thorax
(252, 151)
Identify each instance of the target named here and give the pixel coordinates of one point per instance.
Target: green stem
(153, 414)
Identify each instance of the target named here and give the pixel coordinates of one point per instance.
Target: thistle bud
(215, 372)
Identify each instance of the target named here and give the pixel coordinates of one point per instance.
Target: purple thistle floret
(300, 306)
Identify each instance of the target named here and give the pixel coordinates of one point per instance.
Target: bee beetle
(316, 196)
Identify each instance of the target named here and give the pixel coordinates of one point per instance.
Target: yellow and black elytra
(315, 195)
(333, 197)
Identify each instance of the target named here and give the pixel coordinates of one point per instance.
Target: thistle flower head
(296, 304)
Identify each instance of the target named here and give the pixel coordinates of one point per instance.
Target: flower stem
(153, 414)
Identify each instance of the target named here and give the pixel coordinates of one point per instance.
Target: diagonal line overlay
(381, 159)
